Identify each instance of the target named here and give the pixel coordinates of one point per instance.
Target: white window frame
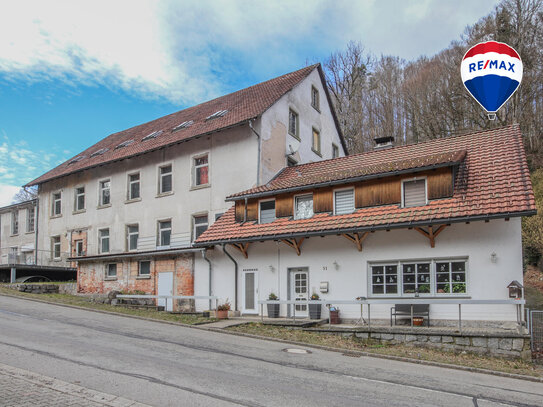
(145, 275)
(78, 252)
(129, 184)
(76, 200)
(296, 134)
(101, 238)
(415, 179)
(15, 222)
(334, 199)
(107, 275)
(101, 190)
(160, 175)
(259, 216)
(54, 245)
(129, 235)
(30, 220)
(159, 234)
(296, 197)
(318, 104)
(54, 204)
(198, 215)
(195, 167)
(433, 277)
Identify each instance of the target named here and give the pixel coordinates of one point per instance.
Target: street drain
(297, 351)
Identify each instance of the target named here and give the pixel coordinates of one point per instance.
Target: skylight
(153, 135)
(99, 152)
(124, 144)
(220, 113)
(76, 159)
(183, 125)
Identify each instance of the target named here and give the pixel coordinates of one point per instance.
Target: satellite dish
(291, 150)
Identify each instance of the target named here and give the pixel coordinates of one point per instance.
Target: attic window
(220, 113)
(99, 152)
(414, 192)
(183, 125)
(154, 134)
(124, 144)
(76, 159)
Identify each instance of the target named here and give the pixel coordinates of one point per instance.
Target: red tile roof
(242, 106)
(492, 182)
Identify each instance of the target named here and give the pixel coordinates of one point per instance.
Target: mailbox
(515, 289)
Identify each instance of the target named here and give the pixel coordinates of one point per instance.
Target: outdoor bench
(404, 310)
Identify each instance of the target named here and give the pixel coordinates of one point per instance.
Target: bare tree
(25, 194)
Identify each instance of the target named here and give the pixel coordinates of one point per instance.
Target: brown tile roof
(354, 167)
(242, 106)
(492, 182)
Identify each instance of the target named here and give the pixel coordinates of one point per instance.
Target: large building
(129, 208)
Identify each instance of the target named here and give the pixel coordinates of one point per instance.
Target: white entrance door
(250, 292)
(165, 287)
(299, 289)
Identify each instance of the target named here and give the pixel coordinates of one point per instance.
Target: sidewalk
(22, 388)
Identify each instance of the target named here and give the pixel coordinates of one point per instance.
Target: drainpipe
(204, 256)
(36, 223)
(258, 153)
(236, 276)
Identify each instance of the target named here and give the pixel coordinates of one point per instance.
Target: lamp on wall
(493, 257)
(336, 264)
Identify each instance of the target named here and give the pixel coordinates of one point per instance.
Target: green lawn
(86, 303)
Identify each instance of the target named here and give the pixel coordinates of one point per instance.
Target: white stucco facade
(18, 233)
(487, 276)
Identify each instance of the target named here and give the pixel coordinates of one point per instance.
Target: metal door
(165, 287)
(299, 289)
(250, 292)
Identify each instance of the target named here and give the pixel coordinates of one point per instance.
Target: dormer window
(414, 192)
(267, 211)
(303, 207)
(344, 201)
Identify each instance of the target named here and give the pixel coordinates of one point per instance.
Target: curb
(321, 347)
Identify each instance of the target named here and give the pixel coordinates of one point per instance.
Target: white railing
(171, 297)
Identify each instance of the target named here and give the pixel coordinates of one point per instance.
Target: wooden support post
(296, 245)
(430, 233)
(242, 247)
(357, 239)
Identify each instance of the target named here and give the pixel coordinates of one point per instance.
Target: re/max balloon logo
(491, 72)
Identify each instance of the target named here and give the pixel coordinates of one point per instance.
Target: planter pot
(273, 310)
(315, 311)
(222, 314)
(206, 314)
(418, 321)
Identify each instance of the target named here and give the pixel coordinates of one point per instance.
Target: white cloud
(186, 51)
(7, 192)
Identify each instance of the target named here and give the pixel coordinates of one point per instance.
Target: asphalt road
(166, 365)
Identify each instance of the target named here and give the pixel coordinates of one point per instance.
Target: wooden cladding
(323, 200)
(284, 205)
(240, 210)
(440, 183)
(252, 210)
(378, 192)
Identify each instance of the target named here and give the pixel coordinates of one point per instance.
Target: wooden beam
(357, 239)
(242, 247)
(295, 244)
(431, 234)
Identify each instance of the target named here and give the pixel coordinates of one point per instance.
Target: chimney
(382, 143)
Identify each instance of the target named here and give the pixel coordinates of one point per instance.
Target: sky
(73, 72)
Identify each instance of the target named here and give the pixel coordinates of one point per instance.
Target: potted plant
(222, 310)
(273, 309)
(315, 309)
(418, 321)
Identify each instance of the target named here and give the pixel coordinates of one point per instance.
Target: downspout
(204, 256)
(236, 276)
(36, 223)
(258, 152)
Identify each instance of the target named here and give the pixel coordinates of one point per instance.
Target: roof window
(76, 159)
(153, 135)
(183, 125)
(220, 113)
(124, 144)
(99, 152)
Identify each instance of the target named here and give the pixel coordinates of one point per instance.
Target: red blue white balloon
(491, 72)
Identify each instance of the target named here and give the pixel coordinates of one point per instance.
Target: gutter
(373, 228)
(236, 276)
(258, 152)
(137, 254)
(342, 181)
(204, 256)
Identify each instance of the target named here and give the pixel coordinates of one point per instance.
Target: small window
(316, 144)
(99, 152)
(79, 201)
(56, 208)
(304, 207)
(414, 193)
(267, 211)
(15, 222)
(30, 219)
(111, 270)
(384, 279)
(76, 159)
(132, 234)
(105, 193)
(183, 125)
(103, 240)
(215, 115)
(144, 268)
(152, 135)
(201, 170)
(344, 201)
(293, 123)
(55, 247)
(164, 232)
(200, 226)
(335, 151)
(315, 98)
(79, 251)
(416, 278)
(165, 180)
(133, 186)
(124, 144)
(451, 277)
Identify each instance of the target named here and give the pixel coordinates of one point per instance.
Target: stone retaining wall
(35, 288)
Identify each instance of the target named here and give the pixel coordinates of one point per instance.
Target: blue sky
(73, 72)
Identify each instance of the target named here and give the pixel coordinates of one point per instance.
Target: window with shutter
(344, 201)
(414, 193)
(267, 211)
